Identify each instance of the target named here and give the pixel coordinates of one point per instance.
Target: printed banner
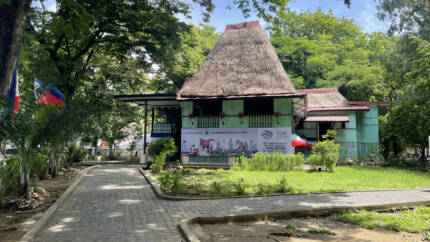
(235, 141)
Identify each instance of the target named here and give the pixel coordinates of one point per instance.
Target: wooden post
(144, 130)
(152, 120)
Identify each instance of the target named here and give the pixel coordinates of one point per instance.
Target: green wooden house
(241, 101)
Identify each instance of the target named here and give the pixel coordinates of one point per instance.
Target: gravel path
(115, 203)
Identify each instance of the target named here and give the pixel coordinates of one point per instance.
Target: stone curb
(34, 230)
(155, 185)
(193, 235)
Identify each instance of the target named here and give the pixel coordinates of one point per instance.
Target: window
(207, 107)
(258, 106)
(343, 125)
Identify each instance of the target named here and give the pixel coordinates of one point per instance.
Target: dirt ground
(304, 230)
(14, 222)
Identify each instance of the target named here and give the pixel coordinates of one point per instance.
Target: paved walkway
(115, 203)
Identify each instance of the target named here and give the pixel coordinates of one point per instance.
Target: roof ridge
(318, 90)
(249, 24)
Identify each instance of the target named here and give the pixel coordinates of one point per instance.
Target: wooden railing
(207, 122)
(260, 121)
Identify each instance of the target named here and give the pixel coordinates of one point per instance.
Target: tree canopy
(320, 50)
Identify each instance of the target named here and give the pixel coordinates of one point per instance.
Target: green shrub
(171, 181)
(10, 175)
(239, 186)
(216, 187)
(315, 160)
(39, 165)
(75, 154)
(325, 153)
(159, 163)
(269, 162)
(165, 145)
(283, 185)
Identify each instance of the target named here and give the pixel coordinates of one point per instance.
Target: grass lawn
(416, 220)
(204, 182)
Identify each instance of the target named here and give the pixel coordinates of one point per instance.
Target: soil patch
(301, 229)
(15, 222)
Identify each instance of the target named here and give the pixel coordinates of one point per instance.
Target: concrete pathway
(115, 203)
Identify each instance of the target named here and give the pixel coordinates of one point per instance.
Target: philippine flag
(13, 92)
(50, 94)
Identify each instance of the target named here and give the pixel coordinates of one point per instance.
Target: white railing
(162, 128)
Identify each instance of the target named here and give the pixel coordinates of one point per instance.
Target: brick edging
(155, 185)
(34, 230)
(192, 235)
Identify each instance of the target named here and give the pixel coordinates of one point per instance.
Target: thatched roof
(324, 98)
(242, 63)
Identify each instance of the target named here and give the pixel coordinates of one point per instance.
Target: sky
(363, 12)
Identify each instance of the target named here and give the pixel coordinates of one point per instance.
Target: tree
(195, 46)
(409, 117)
(406, 16)
(12, 19)
(320, 50)
(113, 124)
(81, 27)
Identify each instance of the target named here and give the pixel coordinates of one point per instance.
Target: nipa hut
(241, 101)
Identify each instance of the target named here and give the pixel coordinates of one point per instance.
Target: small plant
(239, 186)
(198, 186)
(263, 161)
(283, 185)
(325, 152)
(321, 230)
(261, 189)
(216, 187)
(289, 230)
(159, 163)
(171, 181)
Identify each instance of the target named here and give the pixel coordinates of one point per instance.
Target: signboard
(233, 141)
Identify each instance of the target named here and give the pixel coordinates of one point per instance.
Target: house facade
(241, 101)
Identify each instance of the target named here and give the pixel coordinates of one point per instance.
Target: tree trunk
(12, 20)
(27, 183)
(423, 157)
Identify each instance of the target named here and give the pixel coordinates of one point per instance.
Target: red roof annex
(352, 108)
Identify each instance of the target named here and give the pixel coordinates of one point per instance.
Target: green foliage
(171, 181)
(289, 230)
(346, 178)
(39, 164)
(408, 120)
(325, 152)
(159, 163)
(263, 161)
(315, 161)
(414, 220)
(165, 145)
(283, 185)
(321, 230)
(216, 187)
(239, 186)
(9, 175)
(406, 16)
(319, 50)
(75, 154)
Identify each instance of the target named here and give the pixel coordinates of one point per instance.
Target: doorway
(322, 129)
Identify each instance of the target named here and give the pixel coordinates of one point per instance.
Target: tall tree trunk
(423, 157)
(12, 20)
